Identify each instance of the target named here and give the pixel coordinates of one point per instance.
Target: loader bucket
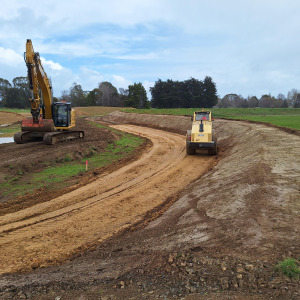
(45, 125)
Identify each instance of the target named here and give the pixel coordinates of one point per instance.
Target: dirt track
(225, 231)
(52, 231)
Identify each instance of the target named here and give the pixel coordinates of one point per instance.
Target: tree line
(185, 94)
(17, 95)
(267, 101)
(14, 95)
(164, 94)
(107, 95)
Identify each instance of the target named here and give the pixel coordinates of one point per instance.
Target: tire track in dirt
(51, 232)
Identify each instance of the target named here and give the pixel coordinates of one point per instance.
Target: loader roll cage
(201, 116)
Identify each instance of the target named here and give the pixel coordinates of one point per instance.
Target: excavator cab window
(61, 114)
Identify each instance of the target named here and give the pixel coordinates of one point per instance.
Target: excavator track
(52, 138)
(20, 137)
(27, 136)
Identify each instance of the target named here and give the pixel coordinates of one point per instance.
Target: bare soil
(7, 118)
(164, 226)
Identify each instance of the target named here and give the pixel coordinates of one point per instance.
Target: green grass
(57, 176)
(15, 110)
(10, 130)
(120, 148)
(283, 117)
(289, 267)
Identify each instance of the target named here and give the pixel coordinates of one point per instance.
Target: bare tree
(109, 96)
(253, 102)
(65, 96)
(293, 98)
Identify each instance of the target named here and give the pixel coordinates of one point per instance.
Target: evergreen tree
(137, 96)
(93, 97)
(189, 93)
(210, 97)
(195, 93)
(4, 86)
(16, 98)
(77, 95)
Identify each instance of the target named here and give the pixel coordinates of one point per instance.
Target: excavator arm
(38, 79)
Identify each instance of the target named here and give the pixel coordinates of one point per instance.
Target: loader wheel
(190, 151)
(214, 150)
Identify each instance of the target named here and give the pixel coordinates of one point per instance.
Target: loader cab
(61, 112)
(202, 116)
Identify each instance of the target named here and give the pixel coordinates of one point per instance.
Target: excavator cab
(61, 113)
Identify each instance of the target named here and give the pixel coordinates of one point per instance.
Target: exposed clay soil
(163, 226)
(7, 118)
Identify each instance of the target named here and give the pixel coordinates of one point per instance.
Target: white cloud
(120, 82)
(246, 46)
(89, 78)
(10, 57)
(147, 84)
(52, 65)
(61, 80)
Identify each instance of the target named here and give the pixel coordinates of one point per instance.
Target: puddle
(4, 140)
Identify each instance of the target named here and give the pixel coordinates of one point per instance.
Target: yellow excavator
(50, 120)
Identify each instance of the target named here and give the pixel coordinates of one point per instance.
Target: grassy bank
(15, 110)
(283, 117)
(60, 175)
(10, 130)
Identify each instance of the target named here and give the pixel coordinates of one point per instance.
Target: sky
(248, 47)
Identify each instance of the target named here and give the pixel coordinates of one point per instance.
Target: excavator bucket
(44, 125)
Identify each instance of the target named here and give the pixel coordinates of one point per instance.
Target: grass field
(282, 117)
(15, 110)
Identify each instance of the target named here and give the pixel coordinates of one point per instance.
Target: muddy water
(4, 140)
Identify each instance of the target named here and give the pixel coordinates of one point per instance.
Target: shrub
(289, 267)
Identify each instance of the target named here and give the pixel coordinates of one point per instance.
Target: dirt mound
(177, 124)
(7, 118)
(222, 236)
